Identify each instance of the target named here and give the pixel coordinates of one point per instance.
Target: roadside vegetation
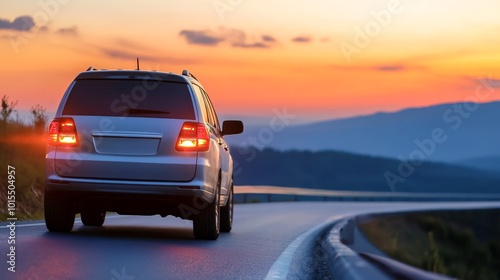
(464, 244)
(23, 147)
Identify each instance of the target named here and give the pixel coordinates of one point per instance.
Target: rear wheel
(226, 213)
(206, 225)
(92, 217)
(59, 213)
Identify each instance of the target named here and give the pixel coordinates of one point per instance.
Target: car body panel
(136, 149)
(126, 159)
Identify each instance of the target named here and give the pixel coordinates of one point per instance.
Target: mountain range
(462, 133)
(345, 171)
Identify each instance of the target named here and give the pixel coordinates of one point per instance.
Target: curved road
(268, 240)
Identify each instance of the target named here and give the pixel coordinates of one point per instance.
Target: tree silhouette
(39, 117)
(7, 108)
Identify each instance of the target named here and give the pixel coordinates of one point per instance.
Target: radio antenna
(138, 68)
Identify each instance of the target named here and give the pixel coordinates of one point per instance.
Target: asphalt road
(268, 240)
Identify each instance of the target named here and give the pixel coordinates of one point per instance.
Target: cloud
(201, 37)
(9, 37)
(238, 39)
(489, 82)
(69, 31)
(132, 55)
(234, 37)
(380, 68)
(115, 53)
(267, 38)
(258, 45)
(43, 28)
(126, 49)
(302, 39)
(390, 68)
(22, 23)
(127, 55)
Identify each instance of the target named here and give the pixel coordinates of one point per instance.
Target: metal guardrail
(246, 194)
(347, 264)
(343, 262)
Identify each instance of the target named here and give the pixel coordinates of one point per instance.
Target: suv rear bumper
(132, 197)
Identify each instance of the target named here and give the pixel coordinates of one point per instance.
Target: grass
(462, 244)
(22, 147)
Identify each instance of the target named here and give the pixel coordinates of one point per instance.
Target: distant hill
(483, 163)
(345, 171)
(464, 130)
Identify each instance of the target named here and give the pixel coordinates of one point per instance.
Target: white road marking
(281, 266)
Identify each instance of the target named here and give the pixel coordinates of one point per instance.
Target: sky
(317, 60)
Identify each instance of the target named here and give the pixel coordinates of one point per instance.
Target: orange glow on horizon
(260, 56)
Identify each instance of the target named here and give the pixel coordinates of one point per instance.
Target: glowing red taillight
(193, 137)
(62, 132)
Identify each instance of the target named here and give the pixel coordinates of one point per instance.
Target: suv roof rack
(91, 68)
(187, 73)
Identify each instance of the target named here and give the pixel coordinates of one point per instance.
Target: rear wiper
(146, 112)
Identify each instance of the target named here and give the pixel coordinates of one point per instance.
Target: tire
(206, 225)
(59, 213)
(92, 217)
(226, 213)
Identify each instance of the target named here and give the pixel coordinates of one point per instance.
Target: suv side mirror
(232, 127)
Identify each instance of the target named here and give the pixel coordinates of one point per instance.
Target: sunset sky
(320, 59)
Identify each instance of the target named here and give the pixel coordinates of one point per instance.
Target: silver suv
(139, 143)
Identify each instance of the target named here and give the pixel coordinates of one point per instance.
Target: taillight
(193, 137)
(62, 132)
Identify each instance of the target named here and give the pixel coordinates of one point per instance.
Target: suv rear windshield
(133, 98)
